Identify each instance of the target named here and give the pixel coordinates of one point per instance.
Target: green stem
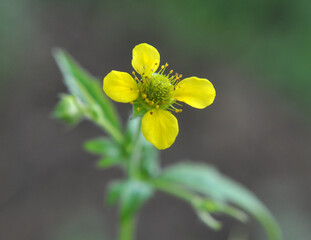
(127, 228)
(135, 151)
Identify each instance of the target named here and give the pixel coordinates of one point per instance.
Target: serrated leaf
(67, 110)
(134, 194)
(89, 92)
(206, 180)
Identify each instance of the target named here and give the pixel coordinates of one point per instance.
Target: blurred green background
(256, 53)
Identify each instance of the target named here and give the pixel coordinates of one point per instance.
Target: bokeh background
(256, 53)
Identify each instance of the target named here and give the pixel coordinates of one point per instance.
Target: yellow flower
(155, 94)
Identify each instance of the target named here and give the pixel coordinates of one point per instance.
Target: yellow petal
(146, 59)
(196, 92)
(160, 128)
(120, 87)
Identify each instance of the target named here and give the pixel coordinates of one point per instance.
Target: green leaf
(102, 146)
(107, 162)
(106, 147)
(134, 194)
(150, 166)
(88, 91)
(219, 207)
(67, 110)
(114, 191)
(206, 180)
(208, 219)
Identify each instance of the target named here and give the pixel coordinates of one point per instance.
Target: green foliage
(150, 166)
(131, 194)
(202, 179)
(109, 150)
(202, 186)
(102, 146)
(67, 110)
(89, 95)
(134, 194)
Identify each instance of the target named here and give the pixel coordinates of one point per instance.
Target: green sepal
(141, 111)
(67, 110)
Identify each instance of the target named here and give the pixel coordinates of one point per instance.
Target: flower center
(156, 91)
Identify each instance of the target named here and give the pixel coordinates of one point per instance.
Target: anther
(180, 110)
(171, 71)
(151, 103)
(144, 95)
(176, 110)
(162, 66)
(157, 107)
(133, 73)
(131, 102)
(147, 100)
(166, 64)
(180, 75)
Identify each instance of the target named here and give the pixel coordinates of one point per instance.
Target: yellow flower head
(155, 94)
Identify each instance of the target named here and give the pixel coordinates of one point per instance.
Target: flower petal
(196, 92)
(160, 128)
(120, 87)
(146, 59)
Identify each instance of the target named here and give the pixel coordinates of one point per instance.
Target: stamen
(131, 102)
(151, 103)
(143, 95)
(168, 75)
(137, 109)
(147, 100)
(157, 107)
